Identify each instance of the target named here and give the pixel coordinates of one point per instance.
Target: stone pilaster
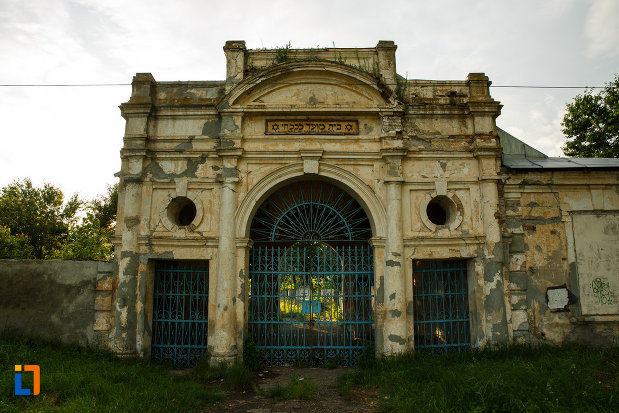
(394, 325)
(241, 298)
(386, 62)
(136, 113)
(378, 243)
(482, 107)
(235, 52)
(488, 154)
(225, 347)
(484, 110)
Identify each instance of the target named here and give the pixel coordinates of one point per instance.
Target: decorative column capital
(393, 159)
(378, 242)
(244, 243)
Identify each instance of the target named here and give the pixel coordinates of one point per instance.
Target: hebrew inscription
(312, 127)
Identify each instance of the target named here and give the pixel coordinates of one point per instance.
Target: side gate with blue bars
(440, 290)
(180, 312)
(311, 302)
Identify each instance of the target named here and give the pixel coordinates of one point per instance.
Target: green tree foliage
(14, 246)
(591, 123)
(87, 241)
(37, 223)
(40, 214)
(91, 239)
(104, 207)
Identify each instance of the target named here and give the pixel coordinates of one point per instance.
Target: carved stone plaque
(312, 127)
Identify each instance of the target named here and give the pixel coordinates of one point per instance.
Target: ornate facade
(319, 204)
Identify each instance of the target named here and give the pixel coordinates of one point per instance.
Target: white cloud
(602, 28)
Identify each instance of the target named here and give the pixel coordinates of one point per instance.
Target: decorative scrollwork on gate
(310, 211)
(180, 312)
(311, 276)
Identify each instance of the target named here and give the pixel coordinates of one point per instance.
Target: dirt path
(328, 398)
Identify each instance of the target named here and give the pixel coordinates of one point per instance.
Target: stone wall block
(103, 301)
(105, 267)
(512, 207)
(518, 301)
(520, 320)
(517, 262)
(103, 321)
(52, 299)
(518, 281)
(517, 244)
(105, 284)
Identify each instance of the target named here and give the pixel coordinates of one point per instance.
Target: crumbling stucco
(207, 141)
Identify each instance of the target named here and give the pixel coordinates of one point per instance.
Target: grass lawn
(514, 379)
(75, 379)
(518, 378)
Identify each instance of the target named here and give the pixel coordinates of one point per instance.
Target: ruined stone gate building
(318, 204)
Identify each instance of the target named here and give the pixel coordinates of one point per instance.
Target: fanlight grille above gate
(310, 211)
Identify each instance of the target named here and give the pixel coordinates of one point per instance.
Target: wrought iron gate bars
(311, 302)
(180, 312)
(442, 321)
(310, 210)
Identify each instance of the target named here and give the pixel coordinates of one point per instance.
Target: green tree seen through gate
(311, 273)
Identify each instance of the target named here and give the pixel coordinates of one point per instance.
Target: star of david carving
(348, 127)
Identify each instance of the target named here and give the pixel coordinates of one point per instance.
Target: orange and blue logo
(19, 391)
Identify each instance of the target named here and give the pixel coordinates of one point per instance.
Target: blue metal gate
(180, 312)
(311, 277)
(440, 290)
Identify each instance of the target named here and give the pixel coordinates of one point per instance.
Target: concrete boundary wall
(57, 300)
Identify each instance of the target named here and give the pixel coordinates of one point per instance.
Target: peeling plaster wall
(206, 142)
(68, 301)
(201, 140)
(551, 218)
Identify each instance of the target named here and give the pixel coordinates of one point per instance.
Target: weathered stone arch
(294, 172)
(332, 74)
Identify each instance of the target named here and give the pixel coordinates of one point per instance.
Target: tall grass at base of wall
(77, 379)
(511, 379)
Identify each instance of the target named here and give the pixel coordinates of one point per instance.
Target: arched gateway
(311, 277)
(317, 204)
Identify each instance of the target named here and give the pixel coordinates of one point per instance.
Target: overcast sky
(71, 136)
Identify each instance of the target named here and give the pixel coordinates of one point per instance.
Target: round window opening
(181, 211)
(441, 210)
